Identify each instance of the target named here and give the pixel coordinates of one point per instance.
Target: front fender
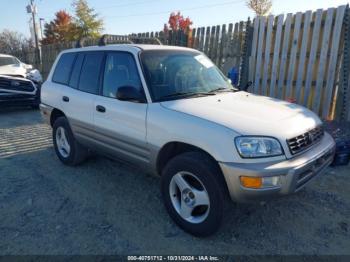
(166, 125)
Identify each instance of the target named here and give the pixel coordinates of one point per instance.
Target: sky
(137, 16)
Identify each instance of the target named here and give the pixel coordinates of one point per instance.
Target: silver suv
(172, 112)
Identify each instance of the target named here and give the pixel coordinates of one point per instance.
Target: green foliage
(65, 28)
(87, 22)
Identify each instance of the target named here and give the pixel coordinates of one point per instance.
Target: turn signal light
(251, 182)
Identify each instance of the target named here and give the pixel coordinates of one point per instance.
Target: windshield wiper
(186, 94)
(223, 89)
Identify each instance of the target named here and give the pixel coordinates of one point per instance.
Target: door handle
(100, 109)
(65, 99)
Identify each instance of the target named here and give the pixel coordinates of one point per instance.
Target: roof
(127, 47)
(160, 47)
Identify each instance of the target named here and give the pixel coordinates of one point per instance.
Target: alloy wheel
(189, 197)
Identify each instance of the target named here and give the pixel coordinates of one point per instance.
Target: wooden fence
(222, 43)
(298, 57)
(302, 56)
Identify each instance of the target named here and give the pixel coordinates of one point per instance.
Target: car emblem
(15, 83)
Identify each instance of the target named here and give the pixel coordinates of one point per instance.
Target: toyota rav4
(171, 111)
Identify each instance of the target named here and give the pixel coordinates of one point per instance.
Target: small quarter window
(63, 68)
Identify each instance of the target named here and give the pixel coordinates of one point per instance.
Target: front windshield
(175, 74)
(8, 60)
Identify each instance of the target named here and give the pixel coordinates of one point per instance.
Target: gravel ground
(106, 207)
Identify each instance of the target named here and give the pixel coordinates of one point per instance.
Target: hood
(249, 114)
(13, 70)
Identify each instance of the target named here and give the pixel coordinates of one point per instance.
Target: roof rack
(119, 39)
(145, 40)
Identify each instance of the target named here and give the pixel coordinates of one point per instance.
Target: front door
(120, 126)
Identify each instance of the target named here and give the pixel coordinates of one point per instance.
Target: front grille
(300, 143)
(16, 84)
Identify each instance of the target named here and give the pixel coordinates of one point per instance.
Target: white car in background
(12, 66)
(19, 83)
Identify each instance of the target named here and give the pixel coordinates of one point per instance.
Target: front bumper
(294, 173)
(7, 100)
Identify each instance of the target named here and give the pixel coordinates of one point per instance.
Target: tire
(205, 219)
(75, 153)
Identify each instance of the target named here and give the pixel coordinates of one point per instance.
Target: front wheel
(193, 193)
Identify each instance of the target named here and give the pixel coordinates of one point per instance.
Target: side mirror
(130, 93)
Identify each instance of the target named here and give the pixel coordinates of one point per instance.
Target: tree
(178, 22)
(49, 34)
(87, 22)
(61, 29)
(11, 41)
(260, 7)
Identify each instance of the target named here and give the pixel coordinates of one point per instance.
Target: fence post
(162, 37)
(342, 109)
(170, 37)
(245, 54)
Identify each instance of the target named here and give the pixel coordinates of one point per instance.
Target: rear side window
(74, 79)
(89, 77)
(63, 68)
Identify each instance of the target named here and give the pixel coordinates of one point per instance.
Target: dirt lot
(104, 207)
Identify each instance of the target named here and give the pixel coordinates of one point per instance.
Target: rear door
(78, 97)
(121, 125)
(51, 91)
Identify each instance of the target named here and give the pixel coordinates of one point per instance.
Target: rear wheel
(193, 193)
(68, 150)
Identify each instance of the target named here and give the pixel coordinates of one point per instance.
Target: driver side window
(120, 70)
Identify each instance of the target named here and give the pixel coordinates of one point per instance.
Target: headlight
(254, 147)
